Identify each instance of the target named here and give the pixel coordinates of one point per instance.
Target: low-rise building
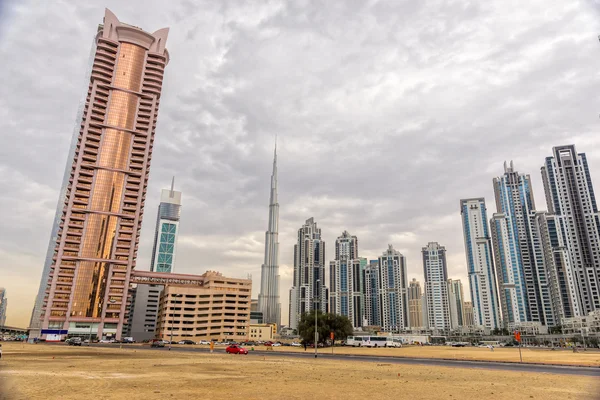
(218, 310)
(528, 328)
(579, 325)
(262, 332)
(143, 312)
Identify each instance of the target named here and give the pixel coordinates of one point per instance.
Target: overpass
(11, 330)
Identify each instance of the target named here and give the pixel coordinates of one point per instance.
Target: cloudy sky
(387, 113)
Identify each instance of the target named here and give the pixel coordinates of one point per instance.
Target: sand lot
(511, 354)
(63, 372)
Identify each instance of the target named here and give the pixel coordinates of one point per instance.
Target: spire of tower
(274, 176)
(172, 187)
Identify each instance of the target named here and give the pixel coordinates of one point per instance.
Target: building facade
(469, 318)
(96, 246)
(141, 324)
(559, 269)
(220, 310)
(35, 323)
(480, 263)
(268, 298)
(309, 290)
(3, 307)
(415, 304)
(346, 280)
(263, 332)
(143, 310)
(371, 278)
(435, 270)
(570, 197)
(386, 300)
(456, 299)
(167, 230)
(520, 267)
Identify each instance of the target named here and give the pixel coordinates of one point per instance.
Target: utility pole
(173, 319)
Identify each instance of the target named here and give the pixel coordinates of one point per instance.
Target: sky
(387, 113)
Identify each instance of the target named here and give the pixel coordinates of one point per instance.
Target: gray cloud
(387, 113)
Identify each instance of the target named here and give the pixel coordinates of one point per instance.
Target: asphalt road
(498, 366)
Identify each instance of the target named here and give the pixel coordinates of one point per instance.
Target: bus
(373, 341)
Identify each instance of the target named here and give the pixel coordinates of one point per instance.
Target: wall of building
(220, 310)
(143, 319)
(262, 332)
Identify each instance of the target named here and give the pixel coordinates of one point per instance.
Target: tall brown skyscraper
(100, 226)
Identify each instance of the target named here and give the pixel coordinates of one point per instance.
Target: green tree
(326, 323)
(340, 325)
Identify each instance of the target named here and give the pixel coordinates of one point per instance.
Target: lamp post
(173, 320)
(316, 308)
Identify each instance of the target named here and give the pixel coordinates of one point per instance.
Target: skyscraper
(309, 291)
(268, 299)
(96, 246)
(570, 196)
(167, 230)
(3, 307)
(346, 280)
(435, 270)
(372, 294)
(480, 264)
(562, 280)
(415, 304)
(386, 300)
(143, 310)
(520, 268)
(456, 299)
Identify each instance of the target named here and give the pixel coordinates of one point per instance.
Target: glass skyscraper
(98, 236)
(167, 229)
(480, 263)
(386, 292)
(268, 298)
(520, 265)
(309, 291)
(346, 280)
(570, 198)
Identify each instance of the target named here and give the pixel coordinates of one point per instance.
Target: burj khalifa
(268, 299)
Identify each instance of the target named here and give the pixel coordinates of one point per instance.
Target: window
(166, 247)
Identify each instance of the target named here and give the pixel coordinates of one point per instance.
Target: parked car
(235, 349)
(128, 340)
(296, 344)
(157, 343)
(76, 341)
(204, 342)
(269, 343)
(186, 342)
(276, 344)
(105, 341)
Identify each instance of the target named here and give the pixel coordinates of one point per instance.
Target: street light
(172, 321)
(316, 333)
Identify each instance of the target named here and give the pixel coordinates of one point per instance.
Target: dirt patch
(57, 372)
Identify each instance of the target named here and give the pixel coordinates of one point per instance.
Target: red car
(235, 349)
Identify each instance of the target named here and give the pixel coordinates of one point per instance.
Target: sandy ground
(531, 355)
(63, 372)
